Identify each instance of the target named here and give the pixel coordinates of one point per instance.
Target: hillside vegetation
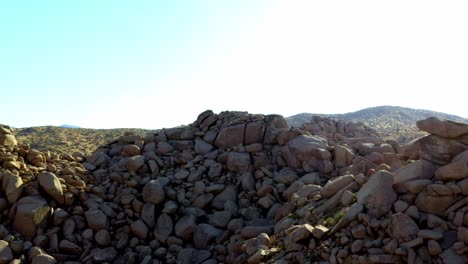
(391, 122)
(69, 140)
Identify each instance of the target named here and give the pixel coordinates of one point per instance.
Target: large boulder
(31, 212)
(377, 195)
(442, 127)
(418, 170)
(439, 150)
(230, 135)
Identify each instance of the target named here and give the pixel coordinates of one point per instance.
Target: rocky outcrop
(235, 187)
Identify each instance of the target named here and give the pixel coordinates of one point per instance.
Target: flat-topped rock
(443, 128)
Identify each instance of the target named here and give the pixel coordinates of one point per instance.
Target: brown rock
(433, 204)
(153, 192)
(230, 135)
(31, 211)
(402, 227)
(12, 185)
(463, 234)
(433, 247)
(305, 147)
(69, 247)
(51, 185)
(377, 194)
(299, 232)
(457, 170)
(343, 156)
(442, 127)
(440, 150)
(254, 132)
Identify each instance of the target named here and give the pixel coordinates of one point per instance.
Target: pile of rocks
(237, 187)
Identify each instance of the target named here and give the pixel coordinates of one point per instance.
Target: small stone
(6, 255)
(153, 192)
(400, 206)
(103, 238)
(185, 226)
(430, 234)
(69, 247)
(463, 234)
(319, 231)
(104, 254)
(43, 259)
(139, 229)
(433, 247)
(96, 219)
(357, 246)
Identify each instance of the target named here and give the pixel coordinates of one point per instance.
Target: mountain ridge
(391, 122)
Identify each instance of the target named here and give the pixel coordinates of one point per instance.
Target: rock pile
(240, 188)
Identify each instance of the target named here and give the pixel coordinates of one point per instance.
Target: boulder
(230, 135)
(454, 171)
(433, 204)
(402, 227)
(50, 183)
(442, 127)
(377, 195)
(31, 212)
(439, 150)
(417, 170)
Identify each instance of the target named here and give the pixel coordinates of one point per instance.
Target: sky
(153, 64)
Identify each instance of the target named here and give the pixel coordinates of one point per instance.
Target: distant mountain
(392, 122)
(69, 126)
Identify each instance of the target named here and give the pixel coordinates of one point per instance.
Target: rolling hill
(392, 122)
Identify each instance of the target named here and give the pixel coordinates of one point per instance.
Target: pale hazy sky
(152, 64)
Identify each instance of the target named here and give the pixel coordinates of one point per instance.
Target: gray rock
(185, 226)
(377, 195)
(229, 194)
(96, 219)
(164, 227)
(6, 255)
(104, 254)
(139, 229)
(204, 234)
